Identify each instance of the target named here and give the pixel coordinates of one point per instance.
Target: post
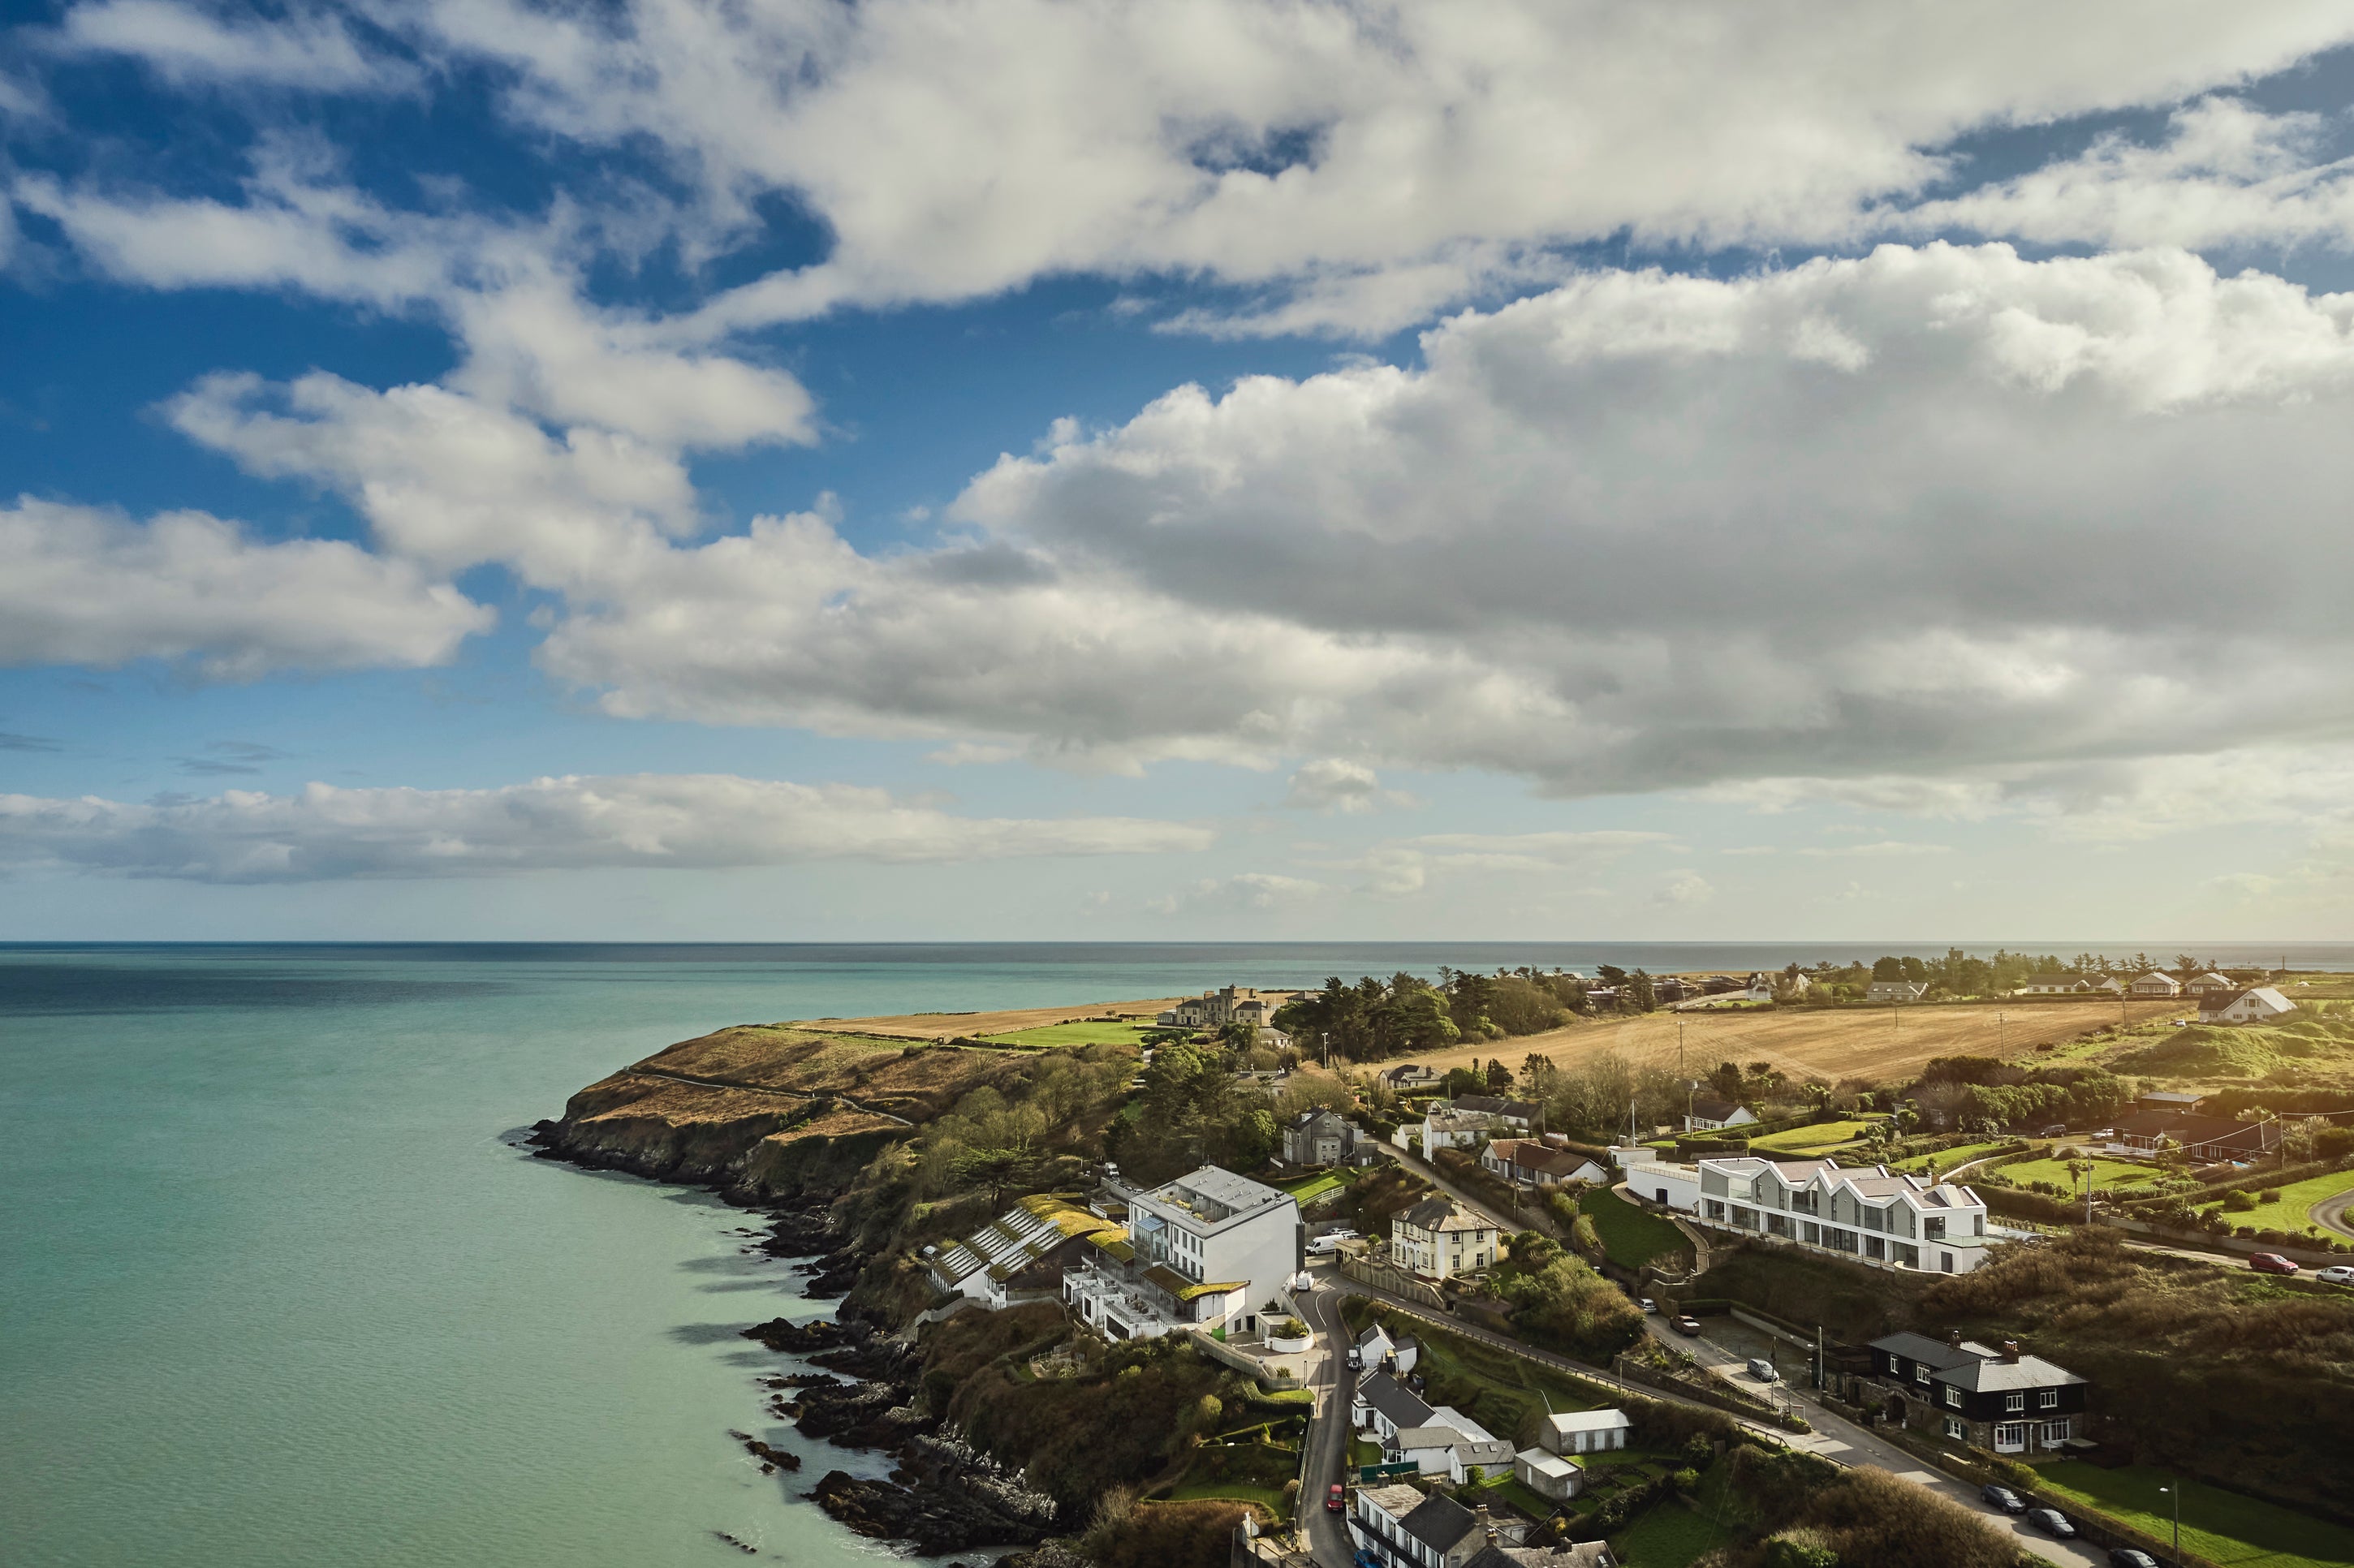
(1819, 1358)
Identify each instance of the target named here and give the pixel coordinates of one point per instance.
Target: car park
(1763, 1370)
(1688, 1326)
(2335, 1274)
(2002, 1498)
(2051, 1522)
(2270, 1263)
(1337, 1500)
(2130, 1557)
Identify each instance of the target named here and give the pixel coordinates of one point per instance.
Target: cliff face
(765, 1112)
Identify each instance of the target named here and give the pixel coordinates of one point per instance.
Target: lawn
(2221, 1525)
(1944, 1159)
(1812, 1139)
(1669, 1536)
(1268, 1497)
(1632, 1236)
(1086, 1032)
(2293, 1212)
(2105, 1173)
(1509, 1489)
(1313, 1185)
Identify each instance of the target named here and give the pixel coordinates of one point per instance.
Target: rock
(770, 1458)
(784, 1335)
(935, 1515)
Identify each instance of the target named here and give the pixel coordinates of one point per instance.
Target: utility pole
(2175, 1491)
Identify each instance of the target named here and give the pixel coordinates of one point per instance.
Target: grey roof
(1439, 1522)
(1373, 1332)
(1223, 1187)
(1935, 1353)
(1399, 1404)
(1711, 1108)
(1573, 1554)
(1996, 1375)
(1397, 1499)
(1442, 1214)
(1493, 1105)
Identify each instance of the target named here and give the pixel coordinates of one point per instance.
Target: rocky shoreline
(941, 1497)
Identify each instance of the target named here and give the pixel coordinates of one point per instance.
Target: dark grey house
(1969, 1393)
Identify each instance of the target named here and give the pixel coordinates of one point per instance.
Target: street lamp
(2175, 1491)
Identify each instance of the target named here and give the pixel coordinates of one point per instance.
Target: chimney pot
(2010, 1351)
(1954, 1338)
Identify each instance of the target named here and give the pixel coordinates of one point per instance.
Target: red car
(2270, 1263)
(1336, 1500)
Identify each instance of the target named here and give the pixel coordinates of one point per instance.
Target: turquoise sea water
(276, 1288)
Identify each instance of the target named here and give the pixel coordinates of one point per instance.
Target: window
(2055, 1434)
(1892, 1371)
(1955, 1429)
(1921, 1372)
(1952, 1396)
(2010, 1436)
(2014, 1402)
(2049, 1399)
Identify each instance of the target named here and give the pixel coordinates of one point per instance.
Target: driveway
(1836, 1438)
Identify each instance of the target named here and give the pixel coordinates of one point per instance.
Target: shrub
(2269, 1195)
(1685, 1480)
(2239, 1200)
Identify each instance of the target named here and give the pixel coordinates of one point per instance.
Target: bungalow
(1549, 1476)
(2156, 983)
(1519, 1115)
(2207, 1138)
(1377, 1351)
(1396, 1527)
(1437, 1238)
(2259, 1005)
(1585, 1431)
(1895, 991)
(2171, 1100)
(1450, 1443)
(1986, 1398)
(1541, 1165)
(2052, 985)
(1318, 1137)
(2211, 984)
(1709, 1113)
(1385, 1407)
(1457, 1130)
(1409, 1078)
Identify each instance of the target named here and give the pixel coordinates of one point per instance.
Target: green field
(1087, 1032)
(2294, 1213)
(1632, 1236)
(2217, 1524)
(1669, 1536)
(1313, 1185)
(1812, 1139)
(2105, 1173)
(1944, 1159)
(1268, 1497)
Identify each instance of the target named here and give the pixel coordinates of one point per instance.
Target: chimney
(1487, 1525)
(1954, 1338)
(2011, 1352)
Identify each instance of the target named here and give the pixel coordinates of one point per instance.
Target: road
(2331, 1214)
(1432, 1175)
(1834, 1438)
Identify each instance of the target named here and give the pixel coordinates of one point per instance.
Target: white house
(1385, 1406)
(1864, 1214)
(1895, 991)
(1449, 1444)
(1585, 1431)
(1517, 1115)
(2157, 982)
(1409, 1077)
(2210, 983)
(1206, 1250)
(1378, 1351)
(1457, 1130)
(1709, 1112)
(1666, 1183)
(1549, 1475)
(1397, 1527)
(1021, 1255)
(1437, 1238)
(2258, 1005)
(2052, 985)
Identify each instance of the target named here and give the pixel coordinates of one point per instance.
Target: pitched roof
(1997, 1375)
(1545, 1464)
(1493, 1105)
(1397, 1499)
(1442, 1214)
(1400, 1405)
(1933, 1353)
(1589, 1421)
(1439, 1522)
(1553, 1162)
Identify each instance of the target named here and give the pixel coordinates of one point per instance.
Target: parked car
(2057, 1129)
(2335, 1274)
(1356, 1358)
(2002, 1498)
(2051, 1522)
(1651, 1308)
(2130, 1557)
(1763, 1370)
(1337, 1500)
(1688, 1326)
(2270, 1263)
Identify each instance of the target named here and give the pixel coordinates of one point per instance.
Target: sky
(1206, 469)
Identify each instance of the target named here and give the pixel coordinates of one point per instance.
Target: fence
(1397, 1281)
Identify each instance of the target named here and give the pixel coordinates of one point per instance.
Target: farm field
(2105, 1173)
(2219, 1525)
(1085, 1032)
(1811, 1139)
(1830, 1043)
(941, 1025)
(2293, 1212)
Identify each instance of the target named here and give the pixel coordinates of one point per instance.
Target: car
(1651, 1309)
(2051, 1522)
(1367, 1560)
(2057, 1129)
(2270, 1263)
(2130, 1557)
(2337, 1274)
(1763, 1370)
(2002, 1498)
(1356, 1358)
(1337, 1500)
(1688, 1326)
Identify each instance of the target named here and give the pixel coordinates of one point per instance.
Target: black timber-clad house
(1987, 1398)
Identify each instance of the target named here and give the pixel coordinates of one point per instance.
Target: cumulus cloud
(1336, 784)
(690, 822)
(1686, 887)
(1398, 868)
(89, 586)
(1252, 890)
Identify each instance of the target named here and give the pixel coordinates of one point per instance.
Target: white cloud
(1252, 890)
(1398, 868)
(1336, 784)
(1686, 887)
(88, 587)
(1878, 849)
(694, 822)
(183, 42)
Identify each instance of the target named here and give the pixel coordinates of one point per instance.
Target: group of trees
(1965, 1092)
(1005, 1136)
(1560, 1302)
(1192, 1108)
(1375, 1018)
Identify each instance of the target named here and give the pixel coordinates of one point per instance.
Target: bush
(2239, 1200)
(1685, 1481)
(2269, 1195)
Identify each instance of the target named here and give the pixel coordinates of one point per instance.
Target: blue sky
(786, 471)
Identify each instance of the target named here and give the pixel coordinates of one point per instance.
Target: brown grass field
(1826, 1043)
(942, 1025)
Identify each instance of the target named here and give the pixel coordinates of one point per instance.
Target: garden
(1632, 1236)
(2224, 1526)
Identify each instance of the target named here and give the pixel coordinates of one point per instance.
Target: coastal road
(1328, 1439)
(2331, 1214)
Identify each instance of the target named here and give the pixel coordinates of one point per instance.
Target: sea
(278, 1287)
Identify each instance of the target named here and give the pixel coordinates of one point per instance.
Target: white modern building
(1206, 1250)
(1864, 1213)
(1023, 1254)
(1585, 1431)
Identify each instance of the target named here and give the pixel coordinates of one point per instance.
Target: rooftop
(1590, 1421)
(1935, 1353)
(1399, 1404)
(1442, 1214)
(1439, 1522)
(1215, 1194)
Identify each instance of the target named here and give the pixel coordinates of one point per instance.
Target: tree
(1538, 1073)
(997, 1168)
(1638, 991)
(1500, 1078)
(1887, 968)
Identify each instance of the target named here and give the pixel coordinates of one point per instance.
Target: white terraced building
(1206, 1250)
(1020, 1253)
(1864, 1213)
